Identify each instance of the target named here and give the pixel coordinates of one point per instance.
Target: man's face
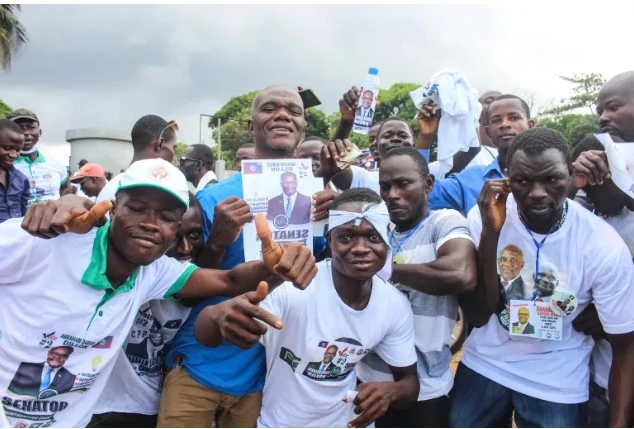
(374, 150)
(522, 315)
(366, 99)
(545, 283)
(330, 354)
(393, 134)
(358, 252)
(510, 265)
(144, 224)
(189, 239)
(155, 335)
(244, 153)
(57, 356)
(92, 186)
(11, 144)
(404, 190)
(188, 165)
(506, 119)
(311, 149)
(615, 107)
(539, 184)
(289, 184)
(32, 132)
(278, 120)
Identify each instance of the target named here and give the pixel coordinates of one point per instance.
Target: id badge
(534, 320)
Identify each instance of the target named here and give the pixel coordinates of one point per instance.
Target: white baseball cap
(156, 173)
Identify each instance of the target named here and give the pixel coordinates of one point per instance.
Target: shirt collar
(492, 169)
(25, 158)
(95, 274)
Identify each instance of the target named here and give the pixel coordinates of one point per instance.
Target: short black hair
(394, 118)
(356, 195)
(7, 124)
(147, 129)
(589, 142)
(314, 138)
(524, 104)
(413, 154)
(203, 153)
(535, 141)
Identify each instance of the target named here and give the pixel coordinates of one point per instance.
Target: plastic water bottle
(364, 115)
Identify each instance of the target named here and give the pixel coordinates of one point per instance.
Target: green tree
(12, 34)
(585, 91)
(179, 151)
(395, 101)
(5, 109)
(574, 126)
(317, 123)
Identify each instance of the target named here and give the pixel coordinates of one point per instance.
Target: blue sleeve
(447, 194)
(425, 153)
(208, 203)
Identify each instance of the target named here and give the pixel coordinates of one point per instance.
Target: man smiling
(100, 280)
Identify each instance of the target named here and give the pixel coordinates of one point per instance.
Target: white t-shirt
(485, 157)
(110, 190)
(135, 383)
(602, 353)
(3, 419)
(204, 181)
(45, 176)
(362, 178)
(55, 293)
(598, 269)
(434, 315)
(296, 392)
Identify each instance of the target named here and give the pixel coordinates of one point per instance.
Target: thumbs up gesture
(84, 222)
(291, 261)
(236, 320)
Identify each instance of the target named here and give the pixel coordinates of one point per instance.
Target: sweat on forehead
(276, 90)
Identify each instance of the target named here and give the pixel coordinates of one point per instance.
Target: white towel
(621, 162)
(457, 129)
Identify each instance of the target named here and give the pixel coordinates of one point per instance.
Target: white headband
(378, 216)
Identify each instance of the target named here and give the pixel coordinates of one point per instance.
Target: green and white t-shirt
(62, 325)
(46, 176)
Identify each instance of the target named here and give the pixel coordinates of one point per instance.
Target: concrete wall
(112, 149)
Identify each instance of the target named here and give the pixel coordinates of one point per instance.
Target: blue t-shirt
(226, 368)
(459, 191)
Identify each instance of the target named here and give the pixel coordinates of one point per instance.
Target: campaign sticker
(563, 302)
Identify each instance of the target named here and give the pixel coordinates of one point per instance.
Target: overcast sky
(105, 66)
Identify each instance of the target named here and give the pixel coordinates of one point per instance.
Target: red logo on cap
(159, 173)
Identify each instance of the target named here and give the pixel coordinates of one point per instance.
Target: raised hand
(237, 320)
(292, 261)
(322, 201)
(230, 216)
(492, 203)
(68, 213)
(428, 119)
(348, 103)
(591, 167)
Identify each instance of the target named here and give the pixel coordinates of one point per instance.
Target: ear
(531, 123)
(486, 131)
(113, 208)
(506, 172)
(250, 127)
(158, 145)
(429, 183)
(40, 132)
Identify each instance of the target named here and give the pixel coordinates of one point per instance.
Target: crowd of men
(128, 302)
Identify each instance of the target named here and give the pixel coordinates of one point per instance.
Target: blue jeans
(480, 402)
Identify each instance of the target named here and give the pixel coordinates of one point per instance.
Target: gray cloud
(108, 65)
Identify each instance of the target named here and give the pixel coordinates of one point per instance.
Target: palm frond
(12, 34)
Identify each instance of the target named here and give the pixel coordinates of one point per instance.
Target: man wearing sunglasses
(152, 137)
(197, 165)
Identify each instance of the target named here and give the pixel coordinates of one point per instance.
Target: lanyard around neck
(408, 235)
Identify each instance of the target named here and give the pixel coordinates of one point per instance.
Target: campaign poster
(535, 320)
(282, 189)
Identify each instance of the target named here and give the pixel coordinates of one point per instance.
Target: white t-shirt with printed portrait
(593, 263)
(300, 391)
(55, 293)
